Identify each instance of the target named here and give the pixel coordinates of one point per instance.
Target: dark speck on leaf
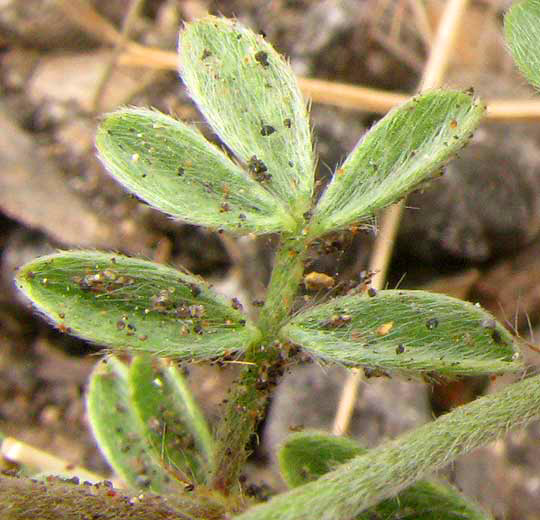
(235, 302)
(262, 58)
(195, 290)
(400, 349)
(258, 169)
(374, 372)
(287, 122)
(489, 324)
(256, 165)
(198, 330)
(432, 323)
(267, 130)
(497, 338)
(180, 171)
(206, 54)
(143, 481)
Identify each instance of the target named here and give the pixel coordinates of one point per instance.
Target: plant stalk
(286, 278)
(57, 499)
(386, 470)
(250, 395)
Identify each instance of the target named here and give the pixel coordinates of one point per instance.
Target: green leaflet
(127, 303)
(306, 456)
(522, 32)
(399, 153)
(250, 97)
(174, 168)
(172, 424)
(118, 430)
(429, 500)
(407, 331)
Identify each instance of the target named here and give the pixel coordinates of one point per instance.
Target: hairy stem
(248, 400)
(385, 471)
(23, 498)
(284, 283)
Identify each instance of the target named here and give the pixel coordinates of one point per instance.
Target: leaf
(522, 33)
(117, 430)
(429, 500)
(306, 456)
(250, 97)
(407, 331)
(174, 168)
(172, 423)
(127, 303)
(399, 153)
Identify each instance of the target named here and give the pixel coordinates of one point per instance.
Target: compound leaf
(128, 303)
(250, 97)
(522, 33)
(399, 153)
(407, 331)
(117, 430)
(172, 423)
(174, 168)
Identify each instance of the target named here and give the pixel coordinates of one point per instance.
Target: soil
(474, 234)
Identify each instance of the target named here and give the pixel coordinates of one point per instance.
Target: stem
(57, 499)
(250, 394)
(286, 277)
(385, 471)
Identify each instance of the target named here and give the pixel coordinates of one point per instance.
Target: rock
(40, 24)
(79, 75)
(486, 204)
(45, 24)
(488, 201)
(308, 397)
(35, 192)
